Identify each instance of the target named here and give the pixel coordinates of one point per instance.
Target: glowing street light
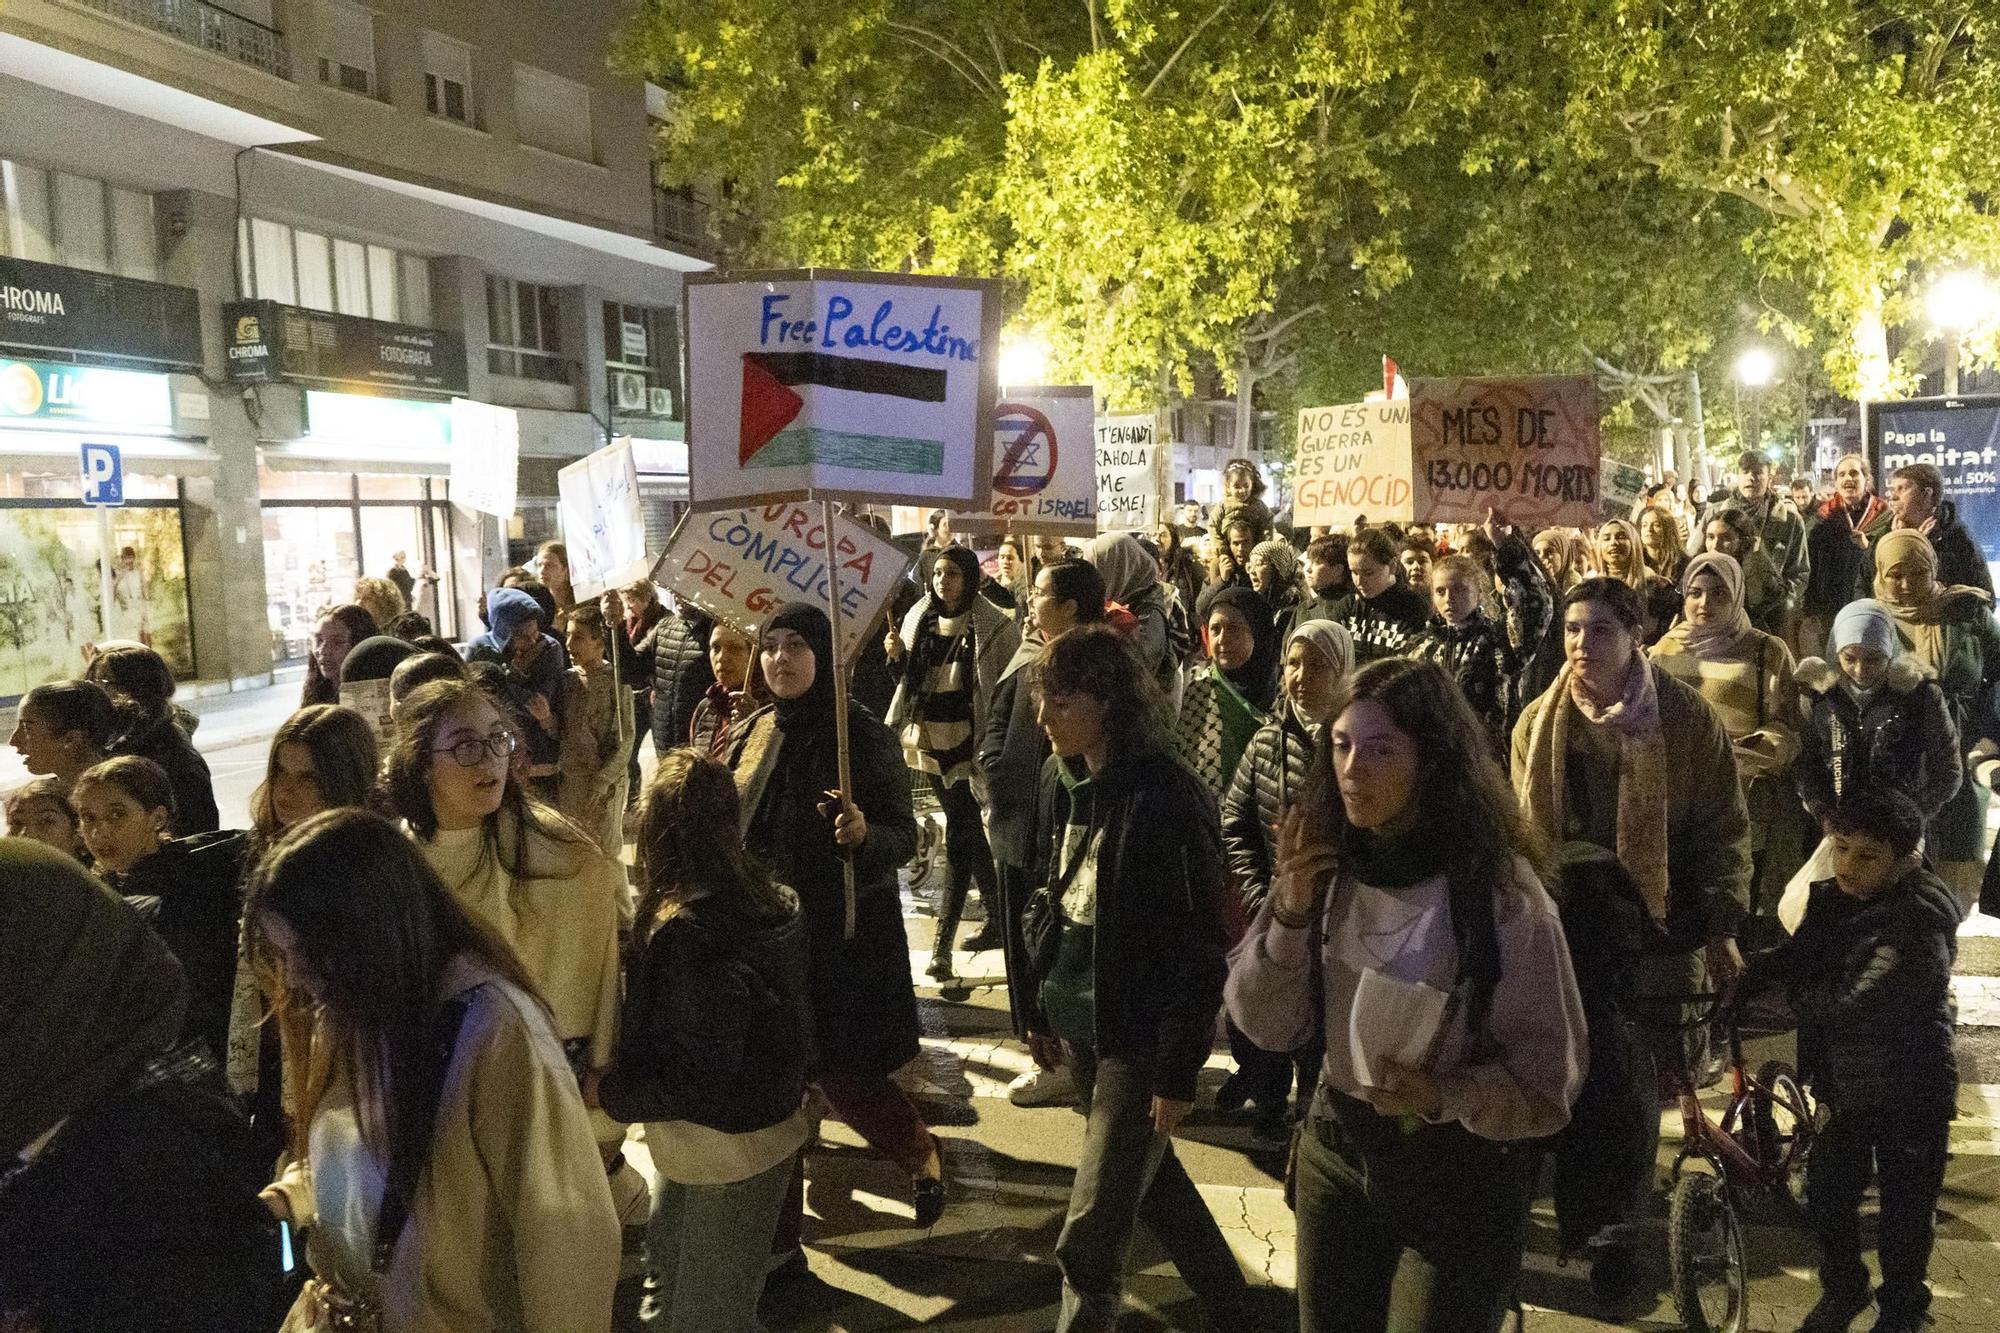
(1024, 359)
(1756, 367)
(1959, 302)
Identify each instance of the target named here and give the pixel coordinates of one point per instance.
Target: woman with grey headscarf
(1274, 573)
(1318, 655)
(1132, 580)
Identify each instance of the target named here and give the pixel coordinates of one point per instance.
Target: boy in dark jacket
(1869, 974)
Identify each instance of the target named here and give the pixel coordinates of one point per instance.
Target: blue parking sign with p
(103, 475)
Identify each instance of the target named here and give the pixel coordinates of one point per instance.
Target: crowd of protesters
(1360, 802)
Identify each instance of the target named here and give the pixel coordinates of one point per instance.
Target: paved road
(986, 1265)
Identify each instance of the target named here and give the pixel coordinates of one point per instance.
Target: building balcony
(681, 218)
(207, 26)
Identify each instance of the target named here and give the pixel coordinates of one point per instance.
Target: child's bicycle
(1759, 1147)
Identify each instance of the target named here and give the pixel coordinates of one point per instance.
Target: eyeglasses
(472, 751)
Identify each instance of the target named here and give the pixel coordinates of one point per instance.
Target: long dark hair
(406, 776)
(1465, 807)
(344, 759)
(319, 687)
(376, 928)
(1098, 661)
(139, 680)
(688, 839)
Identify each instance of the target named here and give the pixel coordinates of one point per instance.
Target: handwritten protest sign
(485, 456)
(602, 524)
(1352, 461)
(865, 386)
(1044, 469)
(1131, 473)
(1527, 447)
(740, 565)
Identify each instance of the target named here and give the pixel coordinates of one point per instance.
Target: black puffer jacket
(1871, 983)
(1268, 779)
(162, 741)
(1904, 741)
(681, 675)
(1158, 955)
(188, 891)
(717, 1027)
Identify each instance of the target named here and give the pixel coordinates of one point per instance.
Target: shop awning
(338, 456)
(61, 450)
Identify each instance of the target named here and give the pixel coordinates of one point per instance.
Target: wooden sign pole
(839, 698)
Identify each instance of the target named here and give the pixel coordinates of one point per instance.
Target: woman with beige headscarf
(1950, 631)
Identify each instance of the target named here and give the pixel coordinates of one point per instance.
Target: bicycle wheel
(1784, 1133)
(1705, 1255)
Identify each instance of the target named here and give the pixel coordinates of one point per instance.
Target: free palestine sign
(860, 386)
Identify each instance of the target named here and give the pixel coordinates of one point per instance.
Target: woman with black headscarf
(1230, 697)
(953, 647)
(800, 825)
(126, 1198)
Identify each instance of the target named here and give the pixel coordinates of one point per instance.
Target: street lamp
(1756, 367)
(1024, 359)
(1959, 302)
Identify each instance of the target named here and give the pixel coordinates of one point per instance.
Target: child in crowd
(41, 810)
(1869, 974)
(1242, 498)
(1471, 645)
(597, 731)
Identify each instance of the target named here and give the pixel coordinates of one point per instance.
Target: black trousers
(968, 855)
(1907, 1155)
(1406, 1225)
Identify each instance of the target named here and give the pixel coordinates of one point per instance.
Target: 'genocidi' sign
(1352, 461)
(1526, 447)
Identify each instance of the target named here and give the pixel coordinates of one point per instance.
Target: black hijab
(1257, 678)
(968, 566)
(814, 708)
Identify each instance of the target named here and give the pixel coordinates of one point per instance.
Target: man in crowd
(1916, 500)
(1780, 528)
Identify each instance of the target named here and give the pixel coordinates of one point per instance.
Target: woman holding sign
(1407, 923)
(799, 825)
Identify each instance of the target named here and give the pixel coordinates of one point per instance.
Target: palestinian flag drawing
(841, 411)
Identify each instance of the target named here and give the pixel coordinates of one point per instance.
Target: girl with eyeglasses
(516, 866)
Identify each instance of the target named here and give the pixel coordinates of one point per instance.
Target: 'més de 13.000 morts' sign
(268, 341)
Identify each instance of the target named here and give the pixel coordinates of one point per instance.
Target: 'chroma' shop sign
(740, 565)
(1527, 448)
(268, 342)
(874, 387)
(1960, 437)
(45, 394)
(1352, 461)
(48, 306)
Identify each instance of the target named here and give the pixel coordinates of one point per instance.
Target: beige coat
(513, 1228)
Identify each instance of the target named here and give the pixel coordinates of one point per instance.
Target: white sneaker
(1043, 1087)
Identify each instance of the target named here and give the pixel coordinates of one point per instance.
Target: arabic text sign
(1044, 469)
(1353, 461)
(485, 456)
(602, 524)
(1131, 473)
(1526, 447)
(740, 565)
(866, 386)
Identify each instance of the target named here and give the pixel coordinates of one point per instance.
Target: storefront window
(324, 530)
(53, 580)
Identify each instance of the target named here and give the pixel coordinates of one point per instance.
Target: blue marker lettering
(771, 315)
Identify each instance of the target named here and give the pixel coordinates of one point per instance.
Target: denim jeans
(708, 1278)
(1907, 1154)
(1129, 1174)
(1376, 1194)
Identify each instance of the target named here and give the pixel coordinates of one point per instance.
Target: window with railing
(681, 215)
(524, 330)
(212, 27)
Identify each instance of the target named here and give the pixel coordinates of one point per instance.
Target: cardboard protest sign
(1044, 468)
(485, 456)
(1622, 485)
(1352, 461)
(1526, 447)
(864, 386)
(370, 698)
(740, 565)
(1131, 473)
(602, 524)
